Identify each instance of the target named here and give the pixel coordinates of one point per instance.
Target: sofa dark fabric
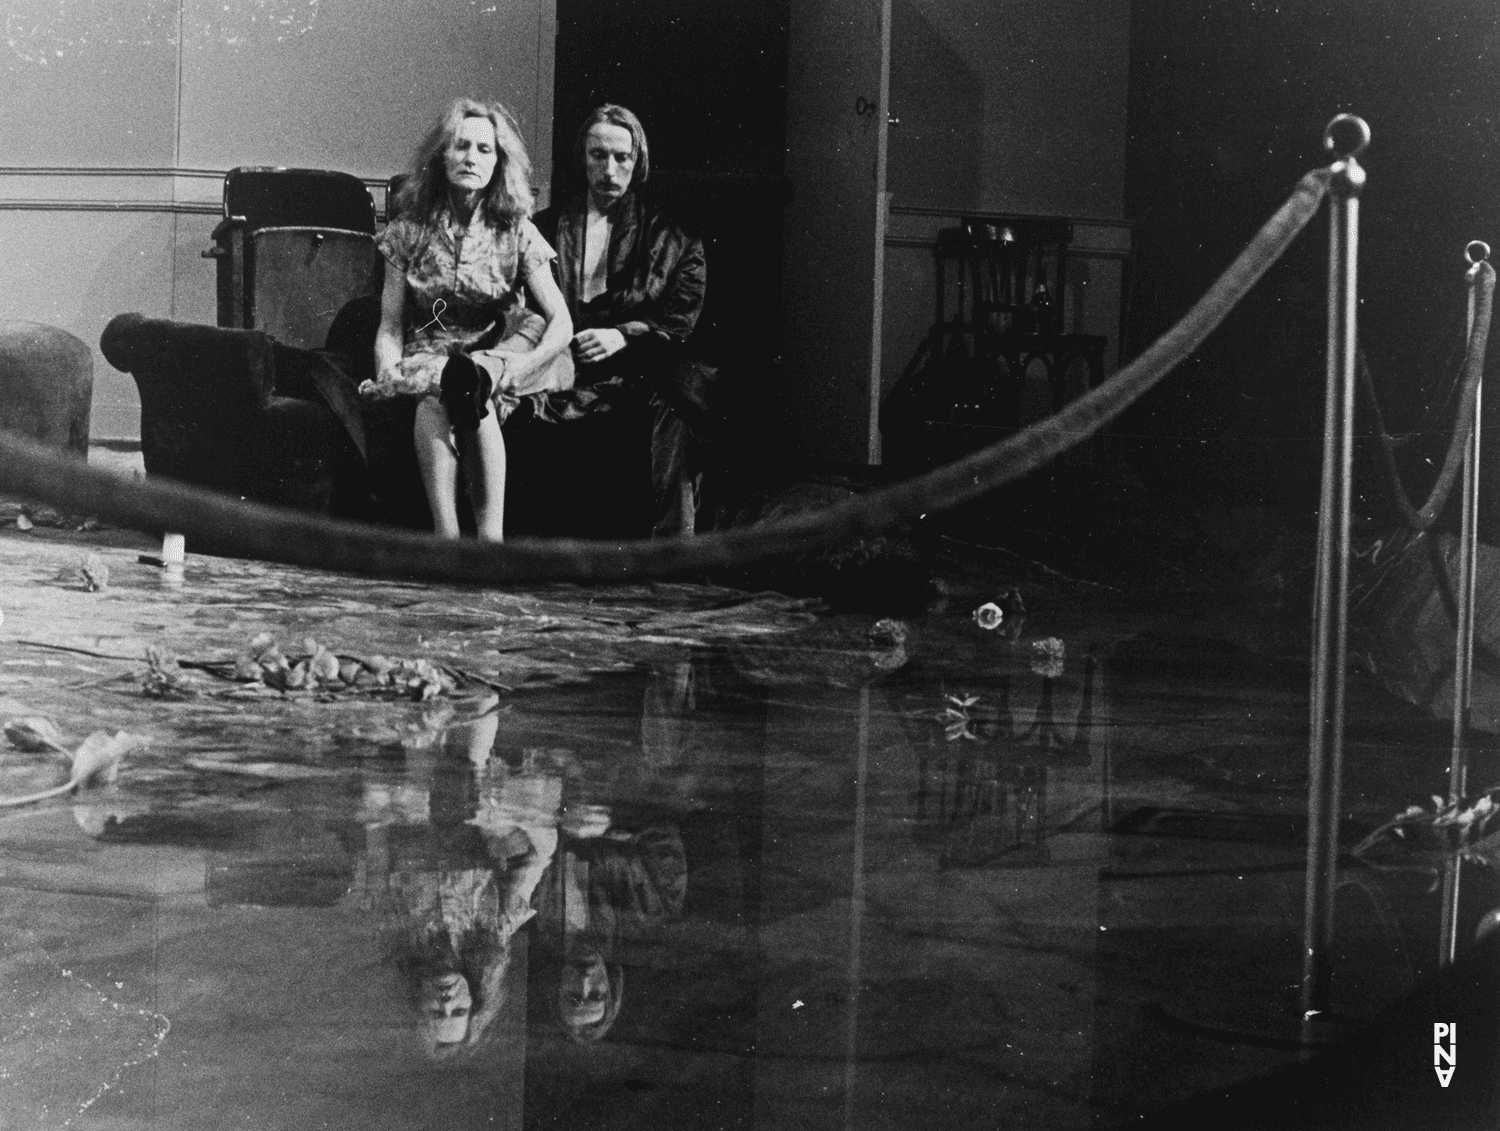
(236, 411)
(229, 410)
(46, 385)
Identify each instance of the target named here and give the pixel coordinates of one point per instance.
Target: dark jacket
(657, 272)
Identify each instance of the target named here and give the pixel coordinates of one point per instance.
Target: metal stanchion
(1346, 136)
(1463, 647)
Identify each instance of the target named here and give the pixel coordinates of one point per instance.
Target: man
(634, 283)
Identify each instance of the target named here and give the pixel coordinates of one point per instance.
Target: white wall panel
(118, 119)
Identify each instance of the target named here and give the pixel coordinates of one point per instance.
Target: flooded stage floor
(701, 859)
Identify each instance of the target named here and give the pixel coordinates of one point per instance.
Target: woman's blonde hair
(506, 200)
(477, 953)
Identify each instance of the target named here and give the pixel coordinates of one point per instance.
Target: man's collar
(620, 208)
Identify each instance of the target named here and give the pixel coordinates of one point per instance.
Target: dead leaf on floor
(35, 735)
(95, 573)
(97, 759)
(164, 678)
(266, 771)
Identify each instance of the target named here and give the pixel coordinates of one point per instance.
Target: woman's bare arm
(388, 337)
(555, 338)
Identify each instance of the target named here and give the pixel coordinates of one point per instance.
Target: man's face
(609, 161)
(583, 992)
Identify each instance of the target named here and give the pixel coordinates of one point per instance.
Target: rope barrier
(256, 531)
(1422, 519)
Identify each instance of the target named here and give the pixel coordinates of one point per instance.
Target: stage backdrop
(118, 121)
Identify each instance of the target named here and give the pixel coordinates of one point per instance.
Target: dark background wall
(708, 80)
(1227, 104)
(707, 77)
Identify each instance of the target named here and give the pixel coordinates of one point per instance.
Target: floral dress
(464, 286)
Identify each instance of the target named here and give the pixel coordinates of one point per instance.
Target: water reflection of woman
(453, 881)
(609, 887)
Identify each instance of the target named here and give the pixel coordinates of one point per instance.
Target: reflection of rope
(1420, 520)
(270, 534)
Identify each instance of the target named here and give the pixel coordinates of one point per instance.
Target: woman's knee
(431, 430)
(486, 450)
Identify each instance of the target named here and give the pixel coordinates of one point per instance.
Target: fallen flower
(95, 573)
(264, 667)
(164, 678)
(97, 759)
(35, 735)
(988, 616)
(1047, 657)
(266, 771)
(956, 720)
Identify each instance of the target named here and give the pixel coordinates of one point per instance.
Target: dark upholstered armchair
(236, 411)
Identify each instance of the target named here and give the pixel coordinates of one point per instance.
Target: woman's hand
(414, 376)
(590, 346)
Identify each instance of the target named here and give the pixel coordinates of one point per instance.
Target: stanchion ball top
(1347, 135)
(1477, 252)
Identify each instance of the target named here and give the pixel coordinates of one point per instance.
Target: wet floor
(667, 855)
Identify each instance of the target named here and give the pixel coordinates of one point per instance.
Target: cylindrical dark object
(46, 385)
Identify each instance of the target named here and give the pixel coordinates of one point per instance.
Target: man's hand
(591, 346)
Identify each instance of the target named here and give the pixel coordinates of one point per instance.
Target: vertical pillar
(1346, 136)
(1463, 643)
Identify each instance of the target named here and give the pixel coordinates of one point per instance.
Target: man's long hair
(506, 200)
(612, 115)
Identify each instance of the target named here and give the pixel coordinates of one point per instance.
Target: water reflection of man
(610, 887)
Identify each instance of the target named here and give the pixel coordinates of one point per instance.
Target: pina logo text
(1444, 1031)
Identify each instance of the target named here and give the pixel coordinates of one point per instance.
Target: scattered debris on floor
(97, 759)
(262, 667)
(1469, 827)
(95, 573)
(28, 516)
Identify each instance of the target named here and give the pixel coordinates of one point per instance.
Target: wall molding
(182, 207)
(86, 188)
(106, 171)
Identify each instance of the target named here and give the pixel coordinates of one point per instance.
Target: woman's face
(471, 155)
(445, 1004)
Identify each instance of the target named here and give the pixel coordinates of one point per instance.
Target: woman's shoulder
(532, 244)
(527, 231)
(404, 233)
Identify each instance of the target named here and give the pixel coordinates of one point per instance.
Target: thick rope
(1421, 520)
(251, 530)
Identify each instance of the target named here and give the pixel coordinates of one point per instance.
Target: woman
(453, 330)
(451, 870)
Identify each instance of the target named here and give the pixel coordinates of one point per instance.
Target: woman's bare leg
(484, 469)
(437, 457)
